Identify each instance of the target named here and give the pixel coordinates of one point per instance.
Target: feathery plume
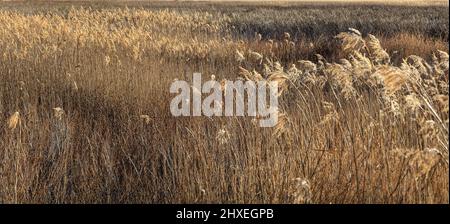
(239, 56)
(145, 118)
(281, 79)
(378, 54)
(255, 56)
(14, 120)
(302, 193)
(392, 78)
(223, 136)
(286, 36)
(58, 112)
(351, 41)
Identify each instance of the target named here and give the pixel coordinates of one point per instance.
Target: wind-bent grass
(84, 113)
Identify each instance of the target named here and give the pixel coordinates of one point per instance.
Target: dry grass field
(84, 103)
